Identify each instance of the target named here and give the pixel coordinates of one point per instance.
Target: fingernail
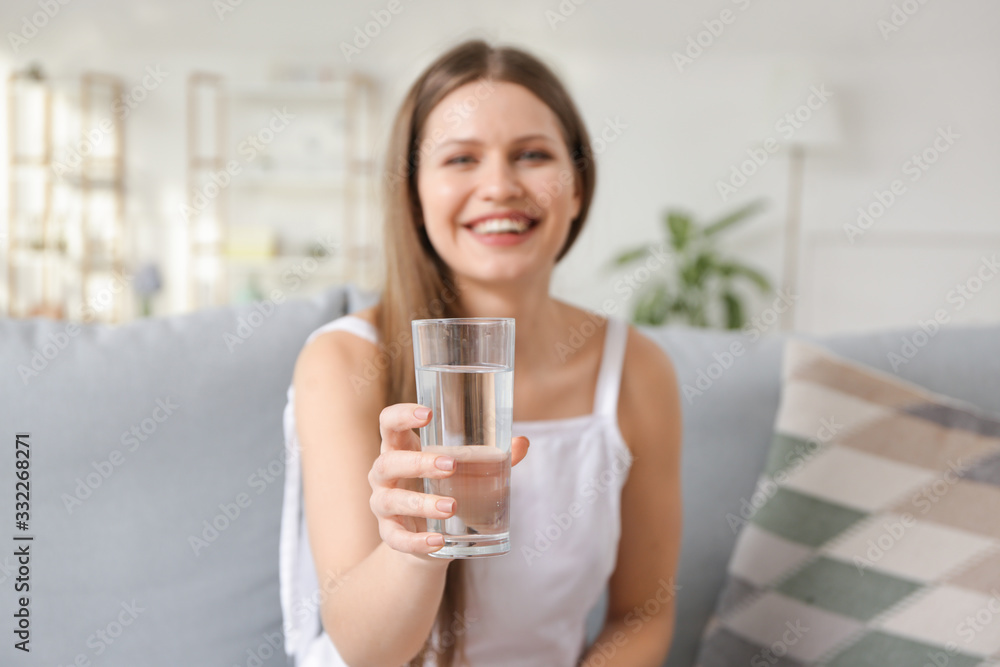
(435, 541)
(422, 413)
(444, 463)
(444, 505)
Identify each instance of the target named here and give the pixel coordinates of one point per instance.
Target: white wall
(685, 129)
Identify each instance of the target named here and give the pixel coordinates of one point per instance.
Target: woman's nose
(499, 181)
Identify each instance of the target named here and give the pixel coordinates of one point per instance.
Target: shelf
(29, 256)
(93, 183)
(323, 268)
(207, 246)
(356, 252)
(26, 250)
(208, 163)
(23, 161)
(307, 90)
(292, 179)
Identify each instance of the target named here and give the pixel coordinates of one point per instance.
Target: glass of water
(465, 375)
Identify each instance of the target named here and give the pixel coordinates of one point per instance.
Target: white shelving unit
(280, 187)
(65, 232)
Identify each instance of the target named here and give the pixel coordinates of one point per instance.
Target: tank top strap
(612, 362)
(351, 323)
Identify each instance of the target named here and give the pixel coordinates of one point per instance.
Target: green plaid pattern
(873, 537)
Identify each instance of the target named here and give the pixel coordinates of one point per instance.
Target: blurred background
(821, 167)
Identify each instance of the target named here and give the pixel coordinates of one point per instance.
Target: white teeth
(499, 225)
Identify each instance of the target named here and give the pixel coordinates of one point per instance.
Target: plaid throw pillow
(873, 537)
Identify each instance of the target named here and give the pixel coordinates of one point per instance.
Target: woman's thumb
(518, 448)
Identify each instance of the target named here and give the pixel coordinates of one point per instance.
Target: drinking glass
(465, 375)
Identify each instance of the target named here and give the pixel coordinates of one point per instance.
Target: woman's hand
(402, 513)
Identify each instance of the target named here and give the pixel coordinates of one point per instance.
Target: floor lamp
(806, 120)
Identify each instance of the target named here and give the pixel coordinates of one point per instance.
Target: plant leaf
(734, 310)
(731, 219)
(688, 276)
(659, 304)
(679, 226)
(731, 269)
(629, 256)
(641, 315)
(703, 264)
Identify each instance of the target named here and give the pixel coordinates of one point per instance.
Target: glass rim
(463, 320)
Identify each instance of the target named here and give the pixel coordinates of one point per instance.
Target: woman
(485, 134)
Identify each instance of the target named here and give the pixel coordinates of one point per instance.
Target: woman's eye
(535, 155)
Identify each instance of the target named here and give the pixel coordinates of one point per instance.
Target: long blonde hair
(418, 284)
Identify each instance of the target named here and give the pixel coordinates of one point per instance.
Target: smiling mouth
(511, 225)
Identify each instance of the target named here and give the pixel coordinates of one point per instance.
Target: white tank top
(528, 607)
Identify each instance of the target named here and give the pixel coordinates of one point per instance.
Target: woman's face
(492, 150)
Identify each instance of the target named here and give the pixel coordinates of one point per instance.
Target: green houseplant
(702, 290)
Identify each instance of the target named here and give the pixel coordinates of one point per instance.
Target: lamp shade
(800, 108)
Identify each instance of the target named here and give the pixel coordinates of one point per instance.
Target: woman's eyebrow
(530, 137)
(518, 140)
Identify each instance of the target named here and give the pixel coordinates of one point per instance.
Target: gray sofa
(157, 469)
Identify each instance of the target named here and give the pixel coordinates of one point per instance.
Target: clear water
(472, 421)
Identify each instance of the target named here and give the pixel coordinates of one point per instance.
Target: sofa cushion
(728, 427)
(872, 534)
(156, 480)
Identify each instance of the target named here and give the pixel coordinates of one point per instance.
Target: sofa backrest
(157, 470)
